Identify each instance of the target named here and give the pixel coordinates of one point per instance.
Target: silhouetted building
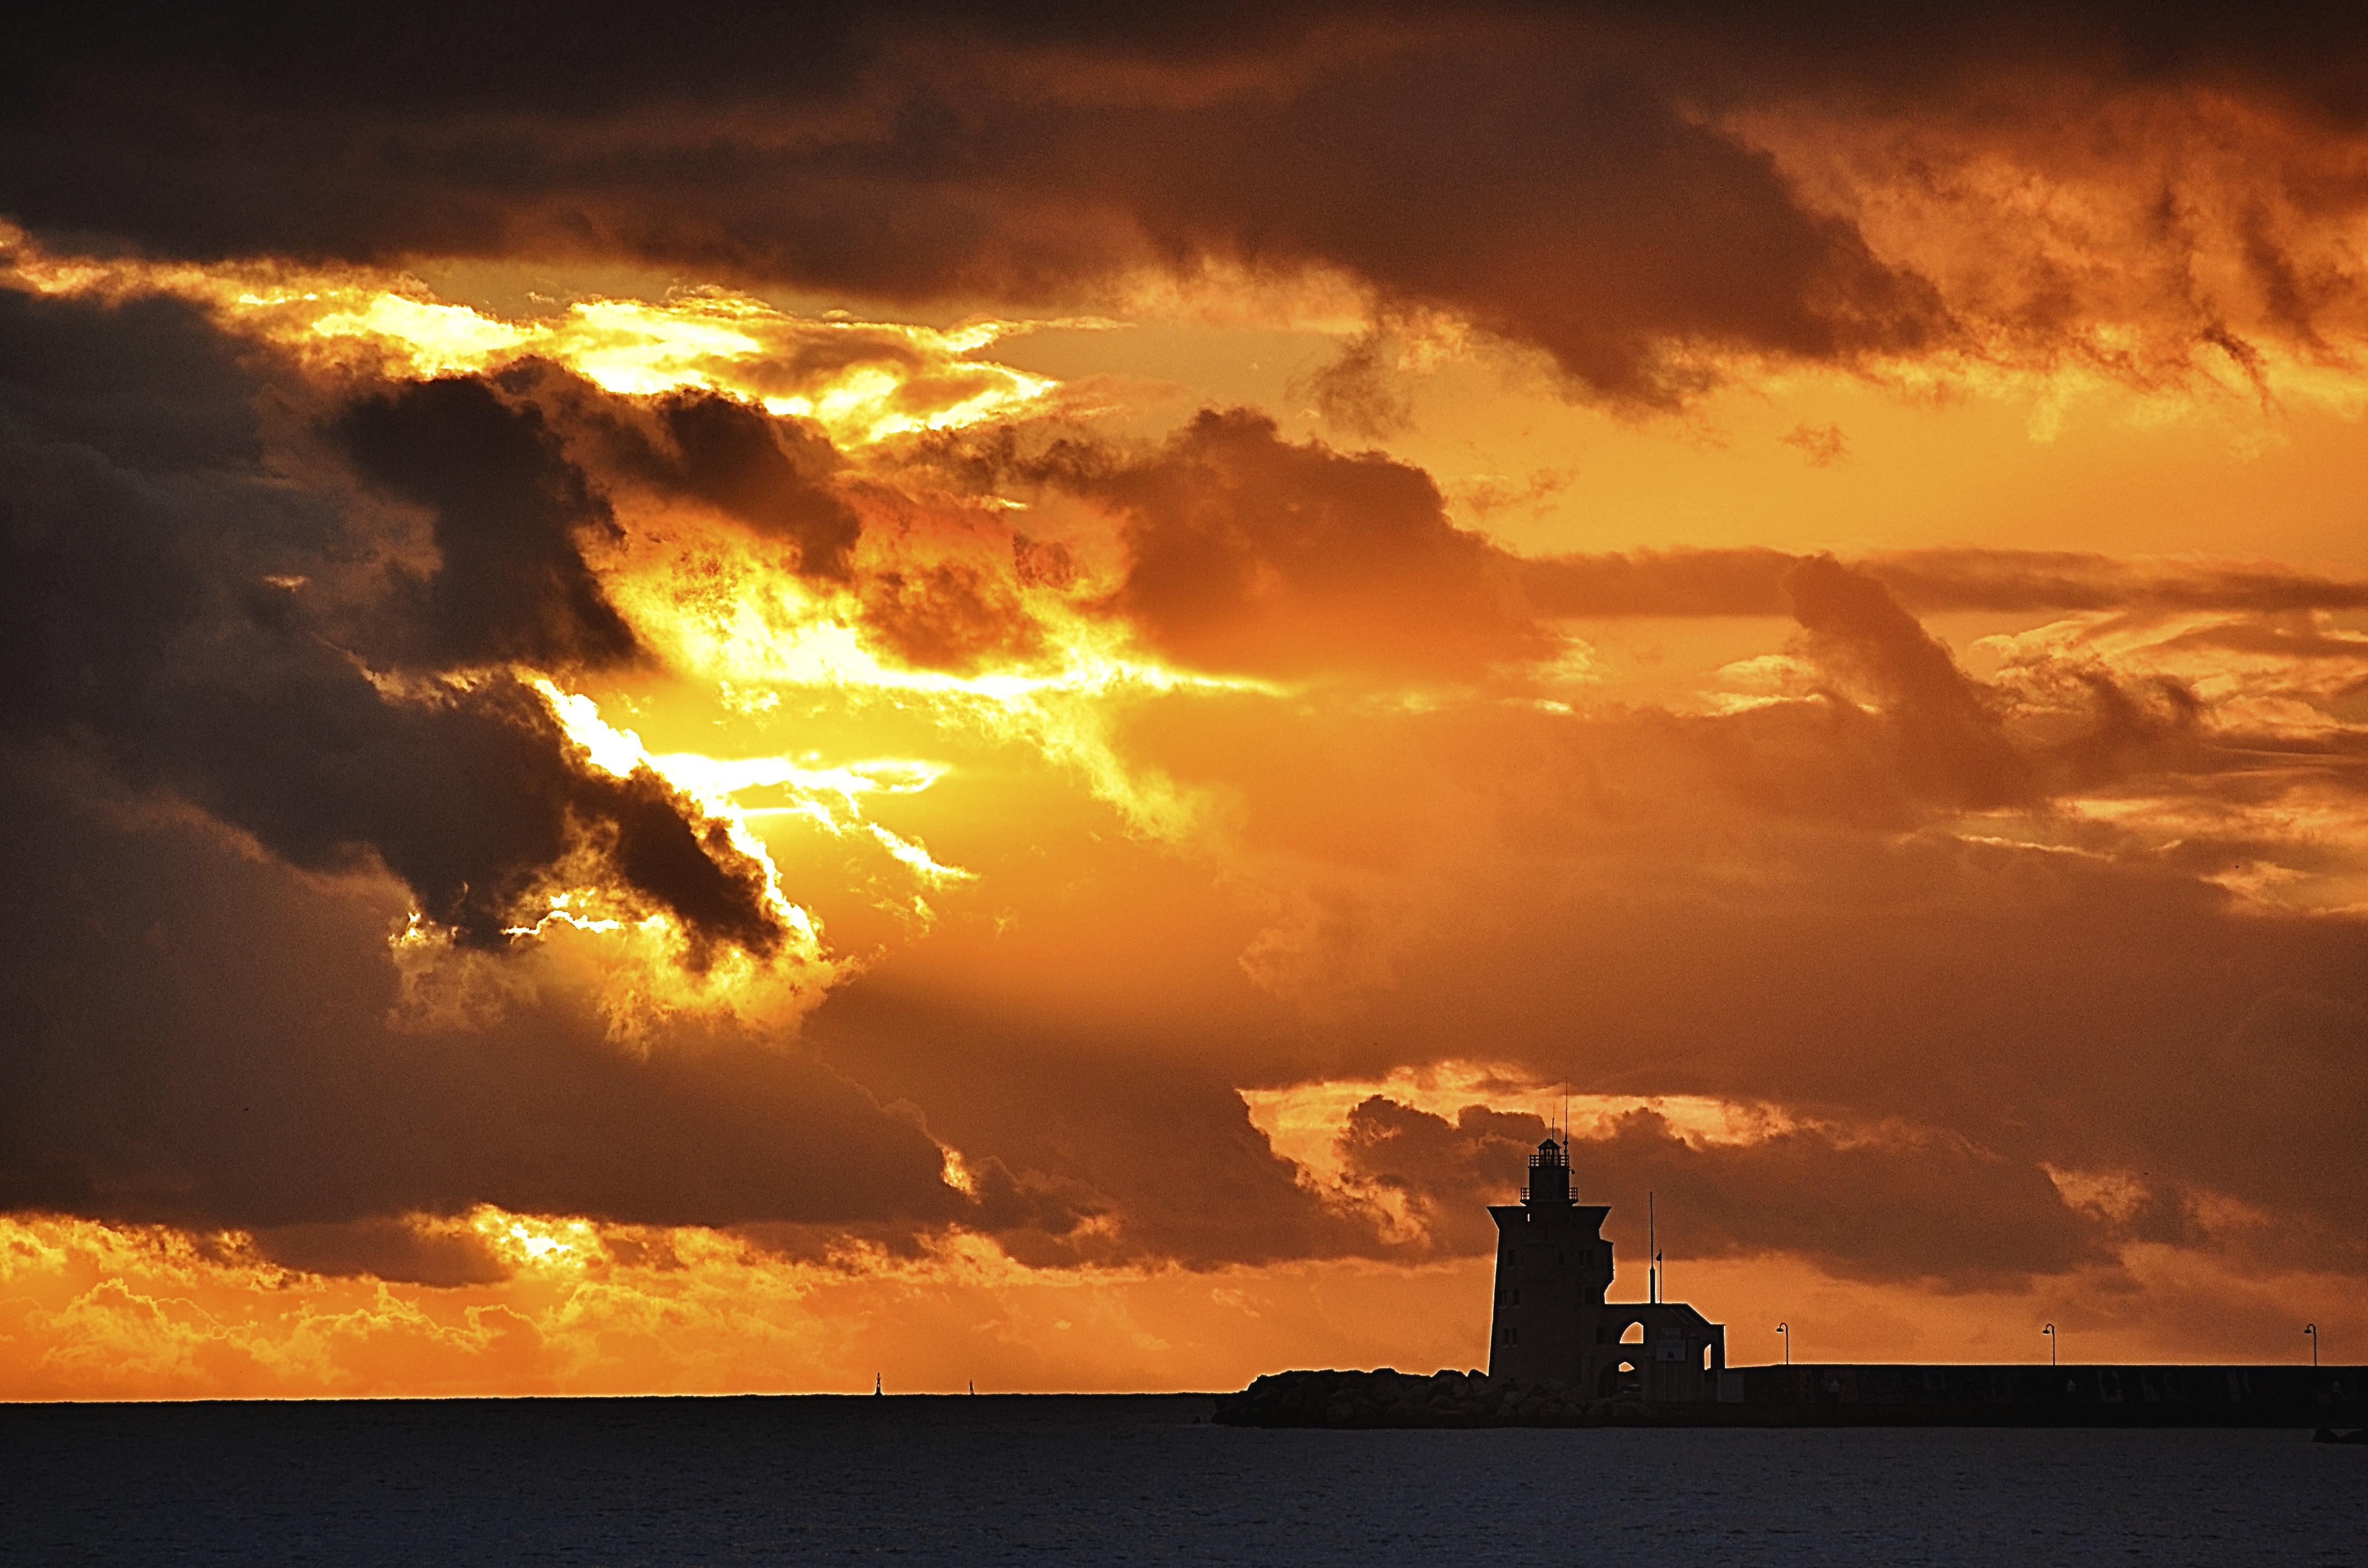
(1551, 1323)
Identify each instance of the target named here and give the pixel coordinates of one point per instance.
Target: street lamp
(2050, 1332)
(1786, 1330)
(2312, 1329)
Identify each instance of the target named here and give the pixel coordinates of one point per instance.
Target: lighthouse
(1551, 1321)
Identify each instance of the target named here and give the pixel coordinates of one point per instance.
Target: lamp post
(2050, 1332)
(1786, 1330)
(2312, 1329)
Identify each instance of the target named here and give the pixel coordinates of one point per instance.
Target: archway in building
(1616, 1380)
(1633, 1335)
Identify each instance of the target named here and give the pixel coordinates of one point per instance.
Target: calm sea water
(1050, 1479)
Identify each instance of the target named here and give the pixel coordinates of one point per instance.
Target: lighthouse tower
(1553, 1266)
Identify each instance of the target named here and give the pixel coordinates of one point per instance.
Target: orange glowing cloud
(860, 381)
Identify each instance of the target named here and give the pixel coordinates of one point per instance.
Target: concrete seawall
(1829, 1394)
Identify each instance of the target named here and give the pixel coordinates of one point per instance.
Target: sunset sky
(721, 701)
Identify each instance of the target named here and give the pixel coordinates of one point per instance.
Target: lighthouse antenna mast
(1653, 1248)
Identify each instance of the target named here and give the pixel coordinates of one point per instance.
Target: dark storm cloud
(450, 57)
(1752, 581)
(1931, 1208)
(2022, 580)
(1557, 177)
(383, 1248)
(948, 616)
(1354, 393)
(2050, 1008)
(470, 797)
(1951, 739)
(1125, 1121)
(1578, 212)
(1509, 174)
(194, 1033)
(199, 1036)
(774, 476)
(2285, 1094)
(158, 592)
(509, 510)
(1258, 555)
(765, 472)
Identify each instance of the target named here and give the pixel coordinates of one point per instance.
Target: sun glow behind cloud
(718, 610)
(724, 615)
(862, 381)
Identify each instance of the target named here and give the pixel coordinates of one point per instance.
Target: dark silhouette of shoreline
(1827, 1394)
(1562, 1354)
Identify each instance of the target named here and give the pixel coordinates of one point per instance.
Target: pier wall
(1829, 1394)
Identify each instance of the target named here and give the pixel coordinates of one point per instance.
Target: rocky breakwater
(1391, 1398)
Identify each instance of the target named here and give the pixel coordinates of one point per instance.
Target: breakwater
(1829, 1394)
